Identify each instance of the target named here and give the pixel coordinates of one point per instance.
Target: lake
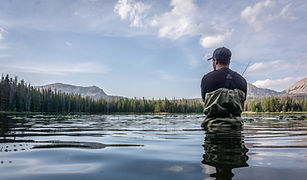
(150, 147)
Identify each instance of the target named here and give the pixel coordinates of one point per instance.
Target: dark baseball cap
(221, 54)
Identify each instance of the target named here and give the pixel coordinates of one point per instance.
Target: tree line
(276, 104)
(19, 96)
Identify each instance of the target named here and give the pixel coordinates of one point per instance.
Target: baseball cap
(221, 54)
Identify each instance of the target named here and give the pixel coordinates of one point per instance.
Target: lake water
(150, 147)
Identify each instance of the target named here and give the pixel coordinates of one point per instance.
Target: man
(223, 92)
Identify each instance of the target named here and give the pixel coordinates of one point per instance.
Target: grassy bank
(273, 113)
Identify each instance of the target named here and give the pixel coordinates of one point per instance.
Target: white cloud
(286, 12)
(277, 67)
(165, 75)
(252, 14)
(54, 69)
(67, 43)
(2, 32)
(181, 20)
(212, 41)
(266, 66)
(134, 11)
(277, 84)
(265, 11)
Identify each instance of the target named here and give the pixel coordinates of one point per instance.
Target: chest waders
(224, 106)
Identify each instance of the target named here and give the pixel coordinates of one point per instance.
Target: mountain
(299, 88)
(92, 91)
(253, 91)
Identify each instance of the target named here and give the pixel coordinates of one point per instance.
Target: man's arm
(203, 89)
(245, 88)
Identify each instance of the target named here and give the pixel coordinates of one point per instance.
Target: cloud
(277, 84)
(277, 67)
(164, 75)
(251, 14)
(285, 12)
(2, 32)
(134, 11)
(67, 43)
(54, 69)
(184, 19)
(266, 66)
(181, 20)
(265, 11)
(212, 41)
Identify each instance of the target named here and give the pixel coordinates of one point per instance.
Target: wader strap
(228, 82)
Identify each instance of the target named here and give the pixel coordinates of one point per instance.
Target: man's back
(218, 79)
(223, 92)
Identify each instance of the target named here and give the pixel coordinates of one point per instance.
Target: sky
(152, 48)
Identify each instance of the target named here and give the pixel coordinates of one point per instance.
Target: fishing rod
(246, 68)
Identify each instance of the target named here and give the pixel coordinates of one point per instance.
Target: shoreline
(273, 113)
(86, 113)
(148, 113)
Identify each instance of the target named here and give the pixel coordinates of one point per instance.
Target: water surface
(150, 147)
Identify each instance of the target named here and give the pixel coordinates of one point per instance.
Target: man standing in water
(223, 92)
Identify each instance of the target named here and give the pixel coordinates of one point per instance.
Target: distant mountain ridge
(297, 89)
(91, 91)
(253, 91)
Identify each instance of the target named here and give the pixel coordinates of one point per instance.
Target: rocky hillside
(92, 91)
(253, 91)
(299, 88)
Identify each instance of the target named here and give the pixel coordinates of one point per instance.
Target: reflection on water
(225, 150)
(150, 147)
(14, 128)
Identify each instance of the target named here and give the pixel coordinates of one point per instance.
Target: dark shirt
(222, 78)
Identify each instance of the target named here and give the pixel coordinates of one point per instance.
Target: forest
(18, 96)
(276, 104)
